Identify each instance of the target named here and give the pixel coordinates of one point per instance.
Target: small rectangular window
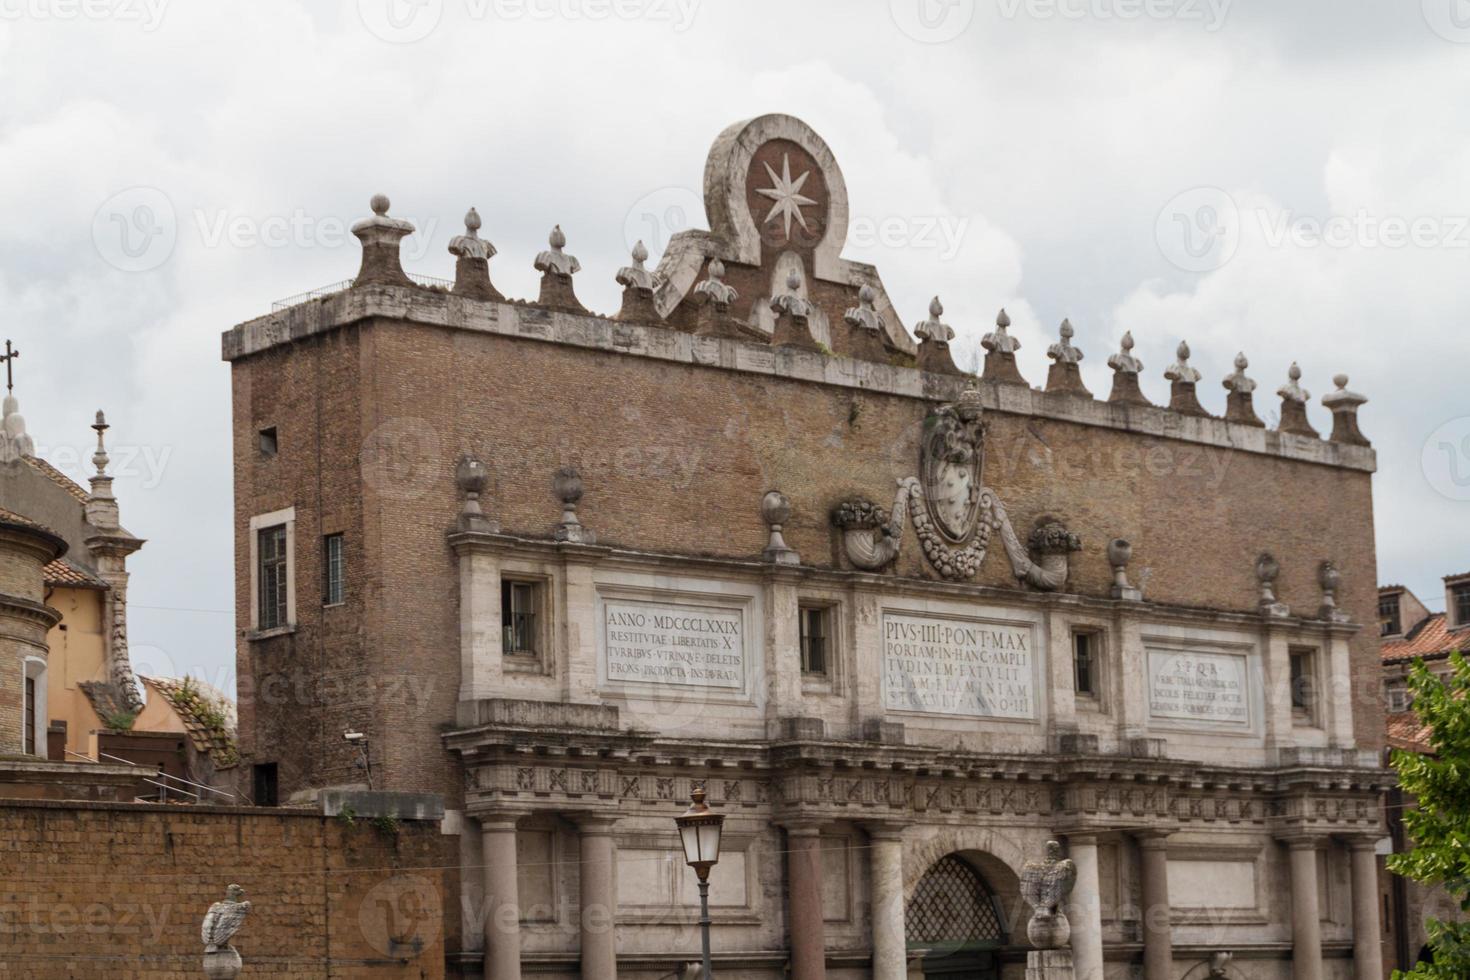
(271, 580)
(1086, 653)
(1388, 615)
(1461, 597)
(268, 446)
(1396, 693)
(1303, 683)
(334, 587)
(816, 629)
(519, 605)
(266, 792)
(28, 716)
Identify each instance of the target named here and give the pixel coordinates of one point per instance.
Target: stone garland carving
(953, 512)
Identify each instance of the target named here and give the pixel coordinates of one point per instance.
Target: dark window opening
(29, 716)
(1303, 681)
(1460, 595)
(1085, 663)
(518, 602)
(268, 444)
(1388, 615)
(266, 792)
(815, 630)
(271, 577)
(334, 582)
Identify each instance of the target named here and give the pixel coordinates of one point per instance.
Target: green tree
(1438, 823)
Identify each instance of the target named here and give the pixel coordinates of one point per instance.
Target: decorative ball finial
(867, 294)
(1066, 331)
(1340, 380)
(934, 329)
(1240, 362)
(716, 269)
(1294, 372)
(557, 239)
(936, 308)
(1127, 340)
(1002, 319)
(379, 204)
(1182, 351)
(793, 280)
(640, 252)
(472, 222)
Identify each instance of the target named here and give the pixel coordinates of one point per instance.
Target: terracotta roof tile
(63, 572)
(1428, 638)
(185, 698)
(59, 478)
(1406, 732)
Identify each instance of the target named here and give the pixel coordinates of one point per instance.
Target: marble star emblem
(787, 195)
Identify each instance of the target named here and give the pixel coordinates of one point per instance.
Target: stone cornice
(16, 608)
(438, 308)
(544, 549)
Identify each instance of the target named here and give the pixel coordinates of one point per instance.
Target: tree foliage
(1438, 821)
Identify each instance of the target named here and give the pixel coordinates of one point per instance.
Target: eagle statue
(1044, 886)
(223, 920)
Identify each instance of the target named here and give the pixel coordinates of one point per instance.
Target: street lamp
(699, 830)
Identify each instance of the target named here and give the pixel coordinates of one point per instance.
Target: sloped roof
(191, 699)
(1430, 637)
(1407, 732)
(65, 573)
(57, 477)
(106, 699)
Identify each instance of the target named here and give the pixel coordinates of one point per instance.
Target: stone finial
(1126, 369)
(714, 290)
(793, 311)
(101, 508)
(1344, 407)
(1267, 571)
(1240, 402)
(224, 919)
(380, 236)
(1120, 553)
(1294, 400)
(557, 268)
(99, 456)
(864, 316)
(1331, 580)
(934, 337)
(776, 511)
(567, 486)
(472, 476)
(1000, 353)
(1182, 380)
(866, 336)
(1065, 373)
(637, 283)
(472, 255)
(1045, 886)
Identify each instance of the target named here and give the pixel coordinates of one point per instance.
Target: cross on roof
(10, 355)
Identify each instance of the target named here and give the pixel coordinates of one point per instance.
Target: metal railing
(337, 287)
(163, 787)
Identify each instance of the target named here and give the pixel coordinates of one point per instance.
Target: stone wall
(119, 891)
(675, 457)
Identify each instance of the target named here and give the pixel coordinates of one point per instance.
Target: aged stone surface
(1126, 369)
(1000, 353)
(934, 337)
(380, 236)
(1065, 374)
(1182, 381)
(472, 255)
(1240, 402)
(557, 268)
(1294, 400)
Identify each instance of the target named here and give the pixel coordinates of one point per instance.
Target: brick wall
(119, 891)
(675, 458)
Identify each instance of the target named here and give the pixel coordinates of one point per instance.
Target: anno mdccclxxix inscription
(674, 643)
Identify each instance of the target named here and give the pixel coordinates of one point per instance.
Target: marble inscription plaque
(1202, 687)
(966, 667)
(674, 643)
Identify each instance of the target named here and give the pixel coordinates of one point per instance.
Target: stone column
(889, 945)
(599, 905)
(1306, 917)
(1158, 944)
(804, 898)
(1367, 929)
(502, 896)
(1085, 914)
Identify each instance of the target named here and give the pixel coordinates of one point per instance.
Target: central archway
(954, 923)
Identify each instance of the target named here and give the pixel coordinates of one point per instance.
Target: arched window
(953, 906)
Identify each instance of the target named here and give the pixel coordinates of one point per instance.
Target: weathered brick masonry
(115, 892)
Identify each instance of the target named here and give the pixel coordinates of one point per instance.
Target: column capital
(1153, 838)
(802, 827)
(498, 819)
(594, 824)
(1363, 842)
(884, 829)
(1302, 841)
(1086, 837)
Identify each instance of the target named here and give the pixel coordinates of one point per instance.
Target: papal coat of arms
(953, 512)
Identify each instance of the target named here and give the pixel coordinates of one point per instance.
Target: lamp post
(699, 830)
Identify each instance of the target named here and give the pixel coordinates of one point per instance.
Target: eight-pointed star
(787, 194)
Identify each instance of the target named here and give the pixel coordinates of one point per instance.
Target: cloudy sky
(1287, 180)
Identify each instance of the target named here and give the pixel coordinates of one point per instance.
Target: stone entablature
(438, 308)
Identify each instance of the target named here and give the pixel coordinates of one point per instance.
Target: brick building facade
(902, 624)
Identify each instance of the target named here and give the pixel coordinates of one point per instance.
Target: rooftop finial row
(866, 336)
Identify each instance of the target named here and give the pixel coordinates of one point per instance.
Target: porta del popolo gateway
(895, 622)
